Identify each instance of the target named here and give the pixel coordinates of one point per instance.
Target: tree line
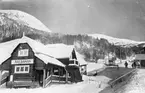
(91, 48)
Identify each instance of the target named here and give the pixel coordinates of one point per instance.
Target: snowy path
(136, 84)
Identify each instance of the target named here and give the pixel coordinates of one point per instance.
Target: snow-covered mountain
(22, 18)
(117, 41)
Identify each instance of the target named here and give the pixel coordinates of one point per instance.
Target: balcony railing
(55, 79)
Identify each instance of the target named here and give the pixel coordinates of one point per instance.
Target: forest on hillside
(93, 49)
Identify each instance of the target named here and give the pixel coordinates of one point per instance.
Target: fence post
(59, 74)
(66, 76)
(44, 75)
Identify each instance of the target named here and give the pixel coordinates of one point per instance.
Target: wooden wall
(14, 56)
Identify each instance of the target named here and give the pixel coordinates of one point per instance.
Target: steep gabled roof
(80, 59)
(59, 50)
(38, 48)
(64, 51)
(48, 59)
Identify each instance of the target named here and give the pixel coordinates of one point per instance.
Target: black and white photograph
(72, 46)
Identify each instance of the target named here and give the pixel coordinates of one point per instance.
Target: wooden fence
(55, 79)
(4, 78)
(121, 78)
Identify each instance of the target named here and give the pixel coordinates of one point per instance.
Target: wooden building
(140, 59)
(29, 64)
(82, 63)
(74, 62)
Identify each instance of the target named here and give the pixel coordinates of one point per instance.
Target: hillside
(94, 48)
(23, 19)
(117, 41)
(13, 23)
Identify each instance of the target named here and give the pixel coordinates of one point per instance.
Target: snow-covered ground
(91, 84)
(94, 66)
(136, 84)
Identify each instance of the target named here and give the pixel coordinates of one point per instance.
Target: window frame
(16, 71)
(23, 52)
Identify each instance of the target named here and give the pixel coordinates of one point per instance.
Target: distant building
(141, 59)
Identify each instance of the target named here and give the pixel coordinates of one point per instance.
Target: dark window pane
(22, 68)
(26, 68)
(17, 69)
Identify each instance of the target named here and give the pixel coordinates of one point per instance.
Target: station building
(32, 64)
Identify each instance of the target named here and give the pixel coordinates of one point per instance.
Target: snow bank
(136, 84)
(93, 67)
(89, 85)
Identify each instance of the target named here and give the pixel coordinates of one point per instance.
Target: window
(23, 52)
(22, 69)
(26, 69)
(74, 62)
(17, 69)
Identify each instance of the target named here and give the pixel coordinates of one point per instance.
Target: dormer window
(23, 52)
(73, 62)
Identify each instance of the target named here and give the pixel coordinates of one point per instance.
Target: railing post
(44, 76)
(51, 73)
(66, 76)
(59, 74)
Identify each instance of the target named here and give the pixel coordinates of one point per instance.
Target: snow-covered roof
(59, 50)
(140, 57)
(38, 48)
(80, 59)
(47, 59)
(64, 51)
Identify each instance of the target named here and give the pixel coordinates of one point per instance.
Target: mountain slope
(22, 18)
(117, 41)
(13, 23)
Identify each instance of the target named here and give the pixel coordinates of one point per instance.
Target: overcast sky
(117, 18)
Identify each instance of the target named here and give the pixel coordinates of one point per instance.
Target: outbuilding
(70, 58)
(140, 58)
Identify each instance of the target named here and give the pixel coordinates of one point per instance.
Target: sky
(117, 18)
